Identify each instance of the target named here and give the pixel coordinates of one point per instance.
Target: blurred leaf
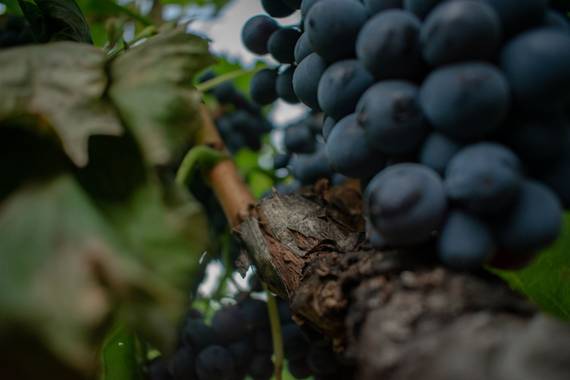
(62, 86)
(152, 88)
(12, 6)
(547, 280)
(121, 356)
(56, 20)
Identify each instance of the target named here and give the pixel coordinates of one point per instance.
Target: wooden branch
(230, 189)
(398, 314)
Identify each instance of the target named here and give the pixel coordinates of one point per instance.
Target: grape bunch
(238, 343)
(242, 124)
(454, 114)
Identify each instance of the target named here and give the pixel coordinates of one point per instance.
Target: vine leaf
(547, 281)
(152, 88)
(61, 85)
(56, 20)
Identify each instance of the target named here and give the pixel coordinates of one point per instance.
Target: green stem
(278, 354)
(210, 84)
(200, 156)
(147, 32)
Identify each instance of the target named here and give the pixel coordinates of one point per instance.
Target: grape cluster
(454, 114)
(238, 343)
(242, 124)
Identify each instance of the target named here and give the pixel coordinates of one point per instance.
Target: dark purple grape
(256, 32)
(465, 242)
(277, 8)
(536, 66)
(349, 152)
(262, 87)
(460, 30)
(306, 79)
(215, 363)
(284, 85)
(485, 178)
(465, 101)
(406, 204)
(332, 27)
(389, 46)
(391, 115)
(341, 86)
(281, 44)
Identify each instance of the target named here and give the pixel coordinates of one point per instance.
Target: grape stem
(278, 354)
(210, 84)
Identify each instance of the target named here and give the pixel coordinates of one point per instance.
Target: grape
(299, 139)
(465, 241)
(332, 27)
(348, 150)
(390, 114)
(377, 6)
(322, 360)
(224, 92)
(242, 352)
(460, 30)
(308, 168)
(262, 87)
(406, 204)
(299, 368)
(230, 324)
(306, 79)
(181, 365)
(556, 20)
(341, 86)
(485, 178)
(535, 221)
(306, 6)
(465, 101)
(157, 370)
(376, 240)
(256, 32)
(255, 313)
(295, 343)
(388, 45)
(281, 44)
(215, 363)
(277, 8)
(261, 367)
(536, 66)
(328, 126)
(294, 4)
(198, 335)
(281, 161)
(538, 138)
(420, 8)
(302, 48)
(556, 177)
(262, 340)
(284, 85)
(518, 15)
(437, 151)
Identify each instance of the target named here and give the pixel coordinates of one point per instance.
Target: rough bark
(399, 314)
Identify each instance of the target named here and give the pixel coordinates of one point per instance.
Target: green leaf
(547, 281)
(152, 88)
(121, 356)
(61, 86)
(56, 20)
